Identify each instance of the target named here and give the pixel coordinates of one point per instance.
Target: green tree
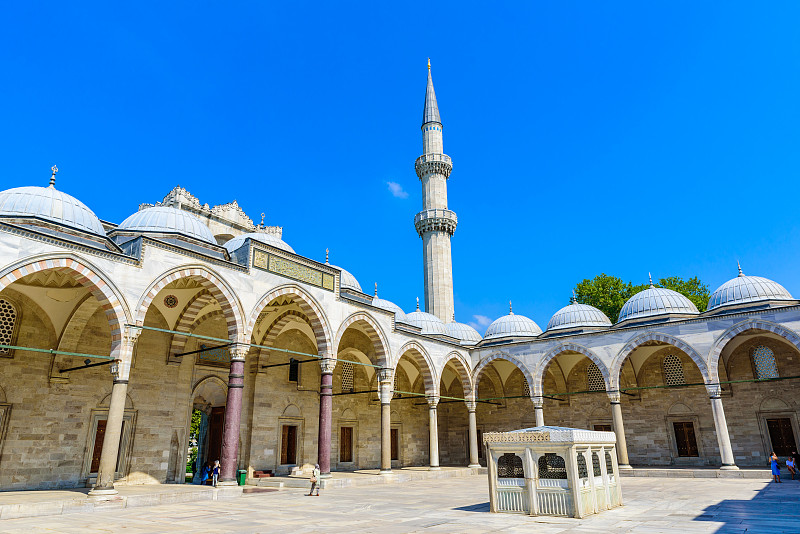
(693, 289)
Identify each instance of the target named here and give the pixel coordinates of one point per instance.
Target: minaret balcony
(433, 163)
(436, 220)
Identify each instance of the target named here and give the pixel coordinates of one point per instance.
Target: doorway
(685, 440)
(289, 444)
(781, 436)
(216, 423)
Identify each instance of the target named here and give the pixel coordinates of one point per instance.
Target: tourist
(314, 480)
(215, 473)
(790, 465)
(776, 470)
(203, 474)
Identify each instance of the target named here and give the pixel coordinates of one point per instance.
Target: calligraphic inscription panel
(292, 269)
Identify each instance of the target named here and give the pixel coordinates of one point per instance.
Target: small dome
(399, 314)
(429, 323)
(463, 332)
(267, 239)
(49, 204)
(512, 326)
(347, 280)
(656, 301)
(745, 289)
(578, 316)
(166, 220)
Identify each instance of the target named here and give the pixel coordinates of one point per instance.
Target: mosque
(114, 336)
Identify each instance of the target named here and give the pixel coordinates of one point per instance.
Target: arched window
(347, 376)
(673, 371)
(8, 323)
(595, 378)
(510, 466)
(526, 389)
(552, 466)
(764, 363)
(582, 471)
(596, 465)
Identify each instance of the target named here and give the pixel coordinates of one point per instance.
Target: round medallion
(170, 301)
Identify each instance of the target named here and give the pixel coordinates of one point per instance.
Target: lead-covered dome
(463, 332)
(512, 325)
(49, 204)
(347, 280)
(746, 289)
(429, 323)
(399, 314)
(267, 239)
(578, 316)
(654, 302)
(167, 220)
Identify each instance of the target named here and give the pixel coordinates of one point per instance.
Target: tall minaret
(435, 224)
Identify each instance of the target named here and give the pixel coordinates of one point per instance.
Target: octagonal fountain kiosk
(546, 470)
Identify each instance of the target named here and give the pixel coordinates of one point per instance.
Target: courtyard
(451, 505)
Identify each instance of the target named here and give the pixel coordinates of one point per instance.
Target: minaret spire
(435, 224)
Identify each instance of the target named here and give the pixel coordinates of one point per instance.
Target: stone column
(327, 366)
(233, 416)
(619, 429)
(385, 390)
(120, 370)
(473, 434)
(433, 427)
(721, 426)
(538, 404)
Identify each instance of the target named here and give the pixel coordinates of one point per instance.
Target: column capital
(385, 374)
(614, 396)
(327, 365)
(714, 391)
(130, 333)
(538, 401)
(433, 400)
(238, 351)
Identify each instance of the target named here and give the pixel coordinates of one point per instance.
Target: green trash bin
(241, 474)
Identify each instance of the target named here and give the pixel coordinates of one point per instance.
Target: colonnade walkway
(450, 505)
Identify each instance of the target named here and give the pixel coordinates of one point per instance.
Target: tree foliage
(609, 293)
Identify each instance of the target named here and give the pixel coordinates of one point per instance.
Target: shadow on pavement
(482, 507)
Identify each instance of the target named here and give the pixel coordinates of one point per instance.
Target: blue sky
(587, 137)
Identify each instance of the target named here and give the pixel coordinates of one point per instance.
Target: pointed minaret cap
(376, 289)
(431, 111)
(417, 303)
(740, 268)
(327, 251)
(52, 185)
(510, 309)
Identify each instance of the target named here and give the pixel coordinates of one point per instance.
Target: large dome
(163, 219)
(578, 316)
(429, 323)
(745, 289)
(512, 326)
(267, 239)
(656, 301)
(463, 332)
(50, 204)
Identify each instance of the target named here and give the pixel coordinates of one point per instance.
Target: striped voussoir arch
(113, 308)
(484, 363)
(312, 311)
(417, 353)
(187, 320)
(750, 325)
(616, 366)
(463, 371)
(274, 330)
(373, 331)
(567, 347)
(210, 283)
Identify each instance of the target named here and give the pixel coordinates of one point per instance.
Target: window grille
(510, 466)
(526, 389)
(552, 466)
(294, 370)
(596, 465)
(764, 363)
(673, 371)
(347, 376)
(595, 378)
(8, 319)
(582, 471)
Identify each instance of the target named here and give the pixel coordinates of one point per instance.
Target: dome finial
(650, 276)
(429, 63)
(327, 251)
(54, 168)
(454, 317)
(574, 298)
(417, 303)
(376, 289)
(740, 268)
(510, 308)
(262, 219)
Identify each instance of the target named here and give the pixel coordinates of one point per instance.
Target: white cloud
(397, 190)
(480, 322)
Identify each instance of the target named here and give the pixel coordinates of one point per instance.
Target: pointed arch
(213, 283)
(462, 367)
(757, 325)
(420, 356)
(186, 322)
(210, 388)
(632, 345)
(309, 306)
(500, 355)
(537, 385)
(373, 331)
(108, 296)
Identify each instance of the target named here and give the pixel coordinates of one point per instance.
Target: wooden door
(216, 424)
(289, 444)
(685, 439)
(781, 436)
(395, 435)
(99, 437)
(346, 444)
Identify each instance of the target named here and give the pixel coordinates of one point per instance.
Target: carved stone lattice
(509, 465)
(552, 467)
(8, 320)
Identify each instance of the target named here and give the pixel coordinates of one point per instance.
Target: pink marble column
(327, 366)
(233, 416)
